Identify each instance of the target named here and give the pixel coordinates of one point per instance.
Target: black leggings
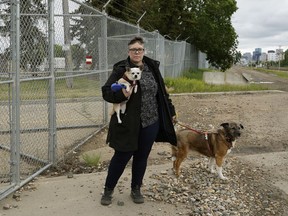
(119, 160)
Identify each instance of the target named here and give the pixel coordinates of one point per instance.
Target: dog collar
(132, 83)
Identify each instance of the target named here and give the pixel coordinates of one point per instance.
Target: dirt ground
(263, 143)
(263, 114)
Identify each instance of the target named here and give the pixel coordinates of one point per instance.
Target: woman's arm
(107, 93)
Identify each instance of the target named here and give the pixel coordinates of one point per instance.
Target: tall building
(279, 54)
(257, 54)
(271, 56)
(263, 57)
(247, 56)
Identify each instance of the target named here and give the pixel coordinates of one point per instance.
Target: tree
(208, 25)
(78, 54)
(58, 51)
(284, 62)
(87, 33)
(204, 23)
(170, 16)
(116, 8)
(33, 43)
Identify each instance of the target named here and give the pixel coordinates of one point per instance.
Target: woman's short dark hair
(136, 39)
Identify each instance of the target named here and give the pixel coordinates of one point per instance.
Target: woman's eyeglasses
(136, 50)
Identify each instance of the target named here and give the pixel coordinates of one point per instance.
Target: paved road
(270, 80)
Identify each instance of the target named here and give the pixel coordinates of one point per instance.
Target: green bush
(91, 159)
(192, 81)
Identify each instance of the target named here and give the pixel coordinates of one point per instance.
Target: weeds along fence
(54, 58)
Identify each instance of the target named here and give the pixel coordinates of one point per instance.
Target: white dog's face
(134, 73)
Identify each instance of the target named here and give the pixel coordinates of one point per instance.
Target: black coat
(124, 136)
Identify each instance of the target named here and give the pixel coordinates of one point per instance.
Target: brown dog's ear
(141, 67)
(225, 125)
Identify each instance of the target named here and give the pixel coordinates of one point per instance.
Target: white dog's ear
(141, 67)
(128, 69)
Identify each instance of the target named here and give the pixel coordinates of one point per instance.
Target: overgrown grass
(196, 74)
(192, 81)
(91, 159)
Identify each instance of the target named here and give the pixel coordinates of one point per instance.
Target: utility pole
(279, 56)
(67, 44)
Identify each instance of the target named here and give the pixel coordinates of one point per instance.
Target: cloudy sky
(261, 24)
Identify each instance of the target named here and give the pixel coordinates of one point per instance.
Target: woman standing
(147, 119)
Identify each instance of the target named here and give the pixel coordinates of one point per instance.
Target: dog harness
(131, 82)
(200, 132)
(228, 139)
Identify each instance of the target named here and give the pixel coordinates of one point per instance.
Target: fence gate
(49, 97)
(54, 57)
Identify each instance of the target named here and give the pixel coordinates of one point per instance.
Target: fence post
(160, 52)
(15, 124)
(103, 60)
(67, 44)
(52, 101)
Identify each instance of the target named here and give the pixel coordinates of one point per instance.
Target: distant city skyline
(261, 24)
(265, 50)
(259, 56)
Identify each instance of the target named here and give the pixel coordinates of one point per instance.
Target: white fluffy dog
(129, 81)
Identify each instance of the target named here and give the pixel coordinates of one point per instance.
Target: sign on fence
(88, 59)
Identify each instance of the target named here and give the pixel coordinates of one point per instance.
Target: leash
(228, 139)
(189, 128)
(199, 132)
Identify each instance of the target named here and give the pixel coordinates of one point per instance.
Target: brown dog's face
(232, 130)
(134, 73)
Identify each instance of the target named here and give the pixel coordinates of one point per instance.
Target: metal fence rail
(54, 58)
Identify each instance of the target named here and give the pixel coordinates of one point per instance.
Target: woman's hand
(174, 119)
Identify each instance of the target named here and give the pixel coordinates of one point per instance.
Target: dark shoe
(106, 198)
(136, 195)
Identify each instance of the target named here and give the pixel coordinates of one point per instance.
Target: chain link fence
(54, 58)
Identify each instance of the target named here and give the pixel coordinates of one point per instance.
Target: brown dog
(213, 145)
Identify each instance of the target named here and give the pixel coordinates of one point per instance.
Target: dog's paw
(177, 174)
(223, 178)
(213, 171)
